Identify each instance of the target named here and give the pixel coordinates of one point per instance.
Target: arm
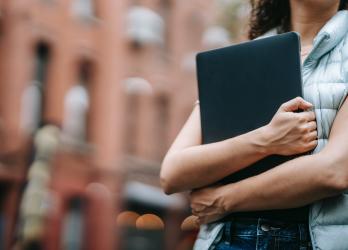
(189, 165)
(295, 183)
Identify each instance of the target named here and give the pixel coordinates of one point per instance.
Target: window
(134, 88)
(166, 9)
(145, 27)
(76, 107)
(162, 124)
(83, 9)
(33, 101)
(73, 224)
(41, 63)
(31, 108)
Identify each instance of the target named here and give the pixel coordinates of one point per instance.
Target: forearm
(295, 183)
(189, 165)
(201, 165)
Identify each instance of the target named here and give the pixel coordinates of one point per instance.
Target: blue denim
(264, 234)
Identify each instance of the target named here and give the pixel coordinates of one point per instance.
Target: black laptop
(242, 86)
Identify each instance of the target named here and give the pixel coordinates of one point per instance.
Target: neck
(308, 17)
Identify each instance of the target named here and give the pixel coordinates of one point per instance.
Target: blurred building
(118, 80)
(61, 65)
(162, 39)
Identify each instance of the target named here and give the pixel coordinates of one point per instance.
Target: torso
(325, 84)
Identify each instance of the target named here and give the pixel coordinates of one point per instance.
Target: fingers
(311, 126)
(295, 104)
(197, 209)
(208, 219)
(311, 136)
(198, 222)
(190, 223)
(310, 132)
(310, 140)
(307, 116)
(312, 144)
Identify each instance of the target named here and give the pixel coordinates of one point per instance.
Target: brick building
(117, 78)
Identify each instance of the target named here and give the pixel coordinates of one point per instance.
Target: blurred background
(92, 94)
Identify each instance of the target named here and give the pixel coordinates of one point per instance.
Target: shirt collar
(330, 34)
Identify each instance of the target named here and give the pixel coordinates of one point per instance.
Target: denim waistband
(266, 227)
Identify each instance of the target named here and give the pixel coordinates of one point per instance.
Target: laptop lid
(242, 86)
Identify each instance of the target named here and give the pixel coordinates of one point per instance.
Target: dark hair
(269, 14)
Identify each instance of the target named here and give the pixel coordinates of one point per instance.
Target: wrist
(262, 141)
(235, 197)
(228, 198)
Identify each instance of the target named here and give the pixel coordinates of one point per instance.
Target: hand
(292, 133)
(208, 204)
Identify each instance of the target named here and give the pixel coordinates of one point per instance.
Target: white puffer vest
(325, 84)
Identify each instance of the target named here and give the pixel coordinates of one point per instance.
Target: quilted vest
(325, 85)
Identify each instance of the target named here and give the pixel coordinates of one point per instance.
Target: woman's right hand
(291, 132)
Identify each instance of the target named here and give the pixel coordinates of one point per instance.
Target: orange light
(127, 218)
(149, 221)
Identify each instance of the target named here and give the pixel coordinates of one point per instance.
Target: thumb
(295, 104)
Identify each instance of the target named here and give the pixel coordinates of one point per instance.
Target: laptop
(242, 86)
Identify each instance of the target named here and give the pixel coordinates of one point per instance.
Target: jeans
(264, 234)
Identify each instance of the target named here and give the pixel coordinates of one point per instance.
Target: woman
(278, 209)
